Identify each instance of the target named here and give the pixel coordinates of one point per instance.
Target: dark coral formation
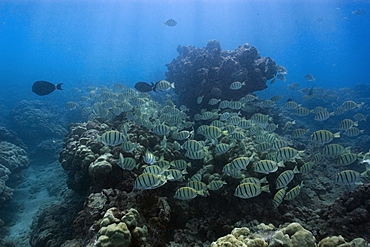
(210, 71)
(13, 160)
(349, 215)
(36, 121)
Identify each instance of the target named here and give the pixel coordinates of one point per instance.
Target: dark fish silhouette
(44, 87)
(170, 23)
(144, 87)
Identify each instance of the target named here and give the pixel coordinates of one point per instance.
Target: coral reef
(53, 225)
(210, 71)
(36, 121)
(349, 215)
(10, 136)
(293, 235)
(13, 160)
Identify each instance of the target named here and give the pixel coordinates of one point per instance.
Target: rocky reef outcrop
(36, 121)
(293, 235)
(349, 215)
(13, 160)
(209, 72)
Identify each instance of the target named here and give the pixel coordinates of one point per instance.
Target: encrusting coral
(293, 235)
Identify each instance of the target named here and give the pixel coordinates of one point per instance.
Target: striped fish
(249, 190)
(316, 158)
(149, 181)
(306, 167)
(345, 124)
(333, 150)
(235, 105)
(339, 111)
(280, 143)
(224, 104)
(234, 120)
(278, 197)
(263, 147)
(350, 105)
(182, 135)
(186, 193)
(195, 155)
(192, 146)
(260, 118)
(198, 186)
(294, 192)
(353, 131)
(161, 129)
(213, 132)
(267, 166)
(213, 101)
(197, 176)
(128, 147)
(323, 136)
(111, 138)
(291, 105)
(346, 159)
(271, 127)
(149, 158)
(302, 111)
(298, 133)
(127, 163)
(285, 178)
(348, 177)
(287, 153)
(175, 175)
(254, 180)
(216, 184)
(322, 115)
(240, 163)
(359, 117)
(228, 169)
(222, 148)
(245, 124)
(164, 164)
(217, 123)
(154, 169)
(180, 164)
(238, 135)
(236, 85)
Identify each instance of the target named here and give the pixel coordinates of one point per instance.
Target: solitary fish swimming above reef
(170, 23)
(144, 87)
(44, 87)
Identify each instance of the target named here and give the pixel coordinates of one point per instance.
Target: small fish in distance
(44, 87)
(170, 23)
(359, 12)
(309, 77)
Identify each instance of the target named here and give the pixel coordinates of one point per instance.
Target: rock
(210, 71)
(101, 166)
(331, 241)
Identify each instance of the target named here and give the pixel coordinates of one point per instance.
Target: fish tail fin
(59, 86)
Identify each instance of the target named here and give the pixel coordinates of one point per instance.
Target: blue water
(83, 43)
